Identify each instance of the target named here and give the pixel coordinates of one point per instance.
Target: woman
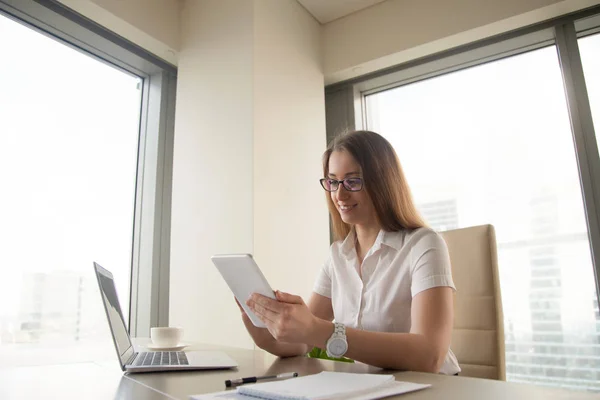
(387, 282)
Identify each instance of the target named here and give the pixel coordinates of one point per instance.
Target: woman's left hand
(288, 318)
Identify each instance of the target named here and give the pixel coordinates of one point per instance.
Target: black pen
(253, 379)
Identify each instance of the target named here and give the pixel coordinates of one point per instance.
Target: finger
(288, 298)
(267, 302)
(264, 314)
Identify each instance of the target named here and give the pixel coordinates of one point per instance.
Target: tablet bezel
(244, 277)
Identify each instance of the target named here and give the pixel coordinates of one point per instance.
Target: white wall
(290, 214)
(212, 166)
(397, 31)
(160, 18)
(249, 132)
(151, 24)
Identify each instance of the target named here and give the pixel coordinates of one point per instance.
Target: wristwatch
(337, 345)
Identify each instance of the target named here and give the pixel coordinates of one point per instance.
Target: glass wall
(589, 48)
(492, 144)
(70, 127)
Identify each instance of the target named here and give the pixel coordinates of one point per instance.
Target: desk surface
(104, 380)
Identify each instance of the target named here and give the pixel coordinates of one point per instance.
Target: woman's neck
(365, 238)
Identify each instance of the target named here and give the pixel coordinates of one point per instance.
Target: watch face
(338, 347)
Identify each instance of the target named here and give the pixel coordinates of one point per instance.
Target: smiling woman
(368, 155)
(387, 283)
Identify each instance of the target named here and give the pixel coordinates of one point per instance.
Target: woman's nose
(342, 193)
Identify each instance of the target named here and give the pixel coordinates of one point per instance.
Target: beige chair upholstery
(478, 335)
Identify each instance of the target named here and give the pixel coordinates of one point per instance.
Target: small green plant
(320, 353)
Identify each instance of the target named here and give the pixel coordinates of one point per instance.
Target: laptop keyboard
(161, 358)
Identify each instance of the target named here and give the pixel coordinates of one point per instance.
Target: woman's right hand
(263, 339)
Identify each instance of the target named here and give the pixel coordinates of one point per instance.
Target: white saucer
(179, 347)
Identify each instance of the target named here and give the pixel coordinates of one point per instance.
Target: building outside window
(492, 143)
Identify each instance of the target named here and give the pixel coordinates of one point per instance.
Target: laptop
(132, 361)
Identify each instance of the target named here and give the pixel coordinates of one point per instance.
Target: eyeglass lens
(350, 184)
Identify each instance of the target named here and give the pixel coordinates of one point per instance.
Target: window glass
(589, 49)
(69, 129)
(492, 144)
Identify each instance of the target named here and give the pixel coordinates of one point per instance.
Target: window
(78, 159)
(484, 136)
(68, 155)
(479, 132)
(589, 48)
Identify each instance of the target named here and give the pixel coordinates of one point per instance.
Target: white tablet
(243, 278)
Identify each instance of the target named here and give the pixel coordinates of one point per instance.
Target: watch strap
(339, 332)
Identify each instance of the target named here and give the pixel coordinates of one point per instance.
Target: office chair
(478, 334)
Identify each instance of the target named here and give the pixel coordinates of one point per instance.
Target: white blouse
(398, 266)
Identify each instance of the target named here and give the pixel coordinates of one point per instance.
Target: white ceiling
(327, 10)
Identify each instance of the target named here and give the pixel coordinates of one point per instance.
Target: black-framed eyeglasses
(350, 184)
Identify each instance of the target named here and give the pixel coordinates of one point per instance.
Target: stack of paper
(323, 386)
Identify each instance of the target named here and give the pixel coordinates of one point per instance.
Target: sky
(496, 140)
(68, 151)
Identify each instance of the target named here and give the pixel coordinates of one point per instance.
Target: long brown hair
(384, 182)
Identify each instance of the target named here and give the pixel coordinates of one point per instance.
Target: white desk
(106, 381)
(71, 382)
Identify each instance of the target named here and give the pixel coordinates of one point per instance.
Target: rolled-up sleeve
(430, 263)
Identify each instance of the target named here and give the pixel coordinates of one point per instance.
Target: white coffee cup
(166, 336)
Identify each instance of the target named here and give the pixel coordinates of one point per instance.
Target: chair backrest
(478, 335)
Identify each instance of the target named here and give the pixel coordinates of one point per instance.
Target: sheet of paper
(389, 389)
(225, 395)
(386, 390)
(324, 385)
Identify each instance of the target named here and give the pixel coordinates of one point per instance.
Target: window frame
(346, 107)
(150, 256)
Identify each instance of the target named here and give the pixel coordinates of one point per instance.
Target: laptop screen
(113, 312)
